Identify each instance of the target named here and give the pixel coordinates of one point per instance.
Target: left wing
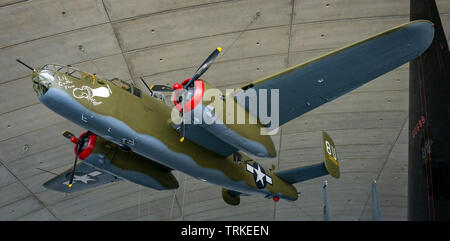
(85, 177)
(107, 163)
(306, 86)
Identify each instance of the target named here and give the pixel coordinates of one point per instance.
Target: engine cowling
(88, 142)
(194, 99)
(105, 155)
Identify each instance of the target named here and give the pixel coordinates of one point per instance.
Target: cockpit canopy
(51, 69)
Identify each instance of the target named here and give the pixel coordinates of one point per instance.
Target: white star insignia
(259, 175)
(84, 178)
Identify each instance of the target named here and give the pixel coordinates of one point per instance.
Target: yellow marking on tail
(333, 160)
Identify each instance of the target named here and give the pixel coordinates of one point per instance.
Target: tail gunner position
(132, 136)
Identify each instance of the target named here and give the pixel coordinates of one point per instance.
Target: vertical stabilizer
(330, 155)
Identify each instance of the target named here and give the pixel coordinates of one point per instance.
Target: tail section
(329, 166)
(330, 155)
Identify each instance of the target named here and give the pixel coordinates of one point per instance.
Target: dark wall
(429, 121)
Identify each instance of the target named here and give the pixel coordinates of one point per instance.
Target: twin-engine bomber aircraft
(131, 135)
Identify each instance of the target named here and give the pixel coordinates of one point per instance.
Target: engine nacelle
(231, 197)
(193, 98)
(108, 156)
(88, 143)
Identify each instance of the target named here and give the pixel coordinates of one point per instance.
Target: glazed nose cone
(42, 81)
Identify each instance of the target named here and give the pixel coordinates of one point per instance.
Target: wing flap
(202, 137)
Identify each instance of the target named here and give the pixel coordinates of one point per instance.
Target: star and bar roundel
(260, 176)
(85, 178)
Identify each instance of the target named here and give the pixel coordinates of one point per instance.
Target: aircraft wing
(309, 85)
(85, 177)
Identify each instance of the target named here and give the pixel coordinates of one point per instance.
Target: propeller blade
(182, 113)
(79, 144)
(204, 66)
(182, 132)
(75, 163)
(162, 88)
(151, 92)
(67, 134)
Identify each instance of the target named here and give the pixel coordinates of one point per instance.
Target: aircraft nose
(42, 81)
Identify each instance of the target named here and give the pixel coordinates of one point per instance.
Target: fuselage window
(121, 84)
(136, 91)
(115, 81)
(125, 86)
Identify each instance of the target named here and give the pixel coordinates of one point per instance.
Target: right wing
(309, 85)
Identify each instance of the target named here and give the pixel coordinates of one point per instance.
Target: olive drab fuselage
(125, 115)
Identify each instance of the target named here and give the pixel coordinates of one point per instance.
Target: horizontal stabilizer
(329, 166)
(301, 174)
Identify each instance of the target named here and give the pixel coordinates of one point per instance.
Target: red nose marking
(74, 140)
(276, 198)
(177, 86)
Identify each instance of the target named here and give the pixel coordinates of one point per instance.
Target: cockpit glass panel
(56, 68)
(46, 75)
(48, 70)
(125, 86)
(136, 91)
(75, 73)
(115, 82)
(48, 67)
